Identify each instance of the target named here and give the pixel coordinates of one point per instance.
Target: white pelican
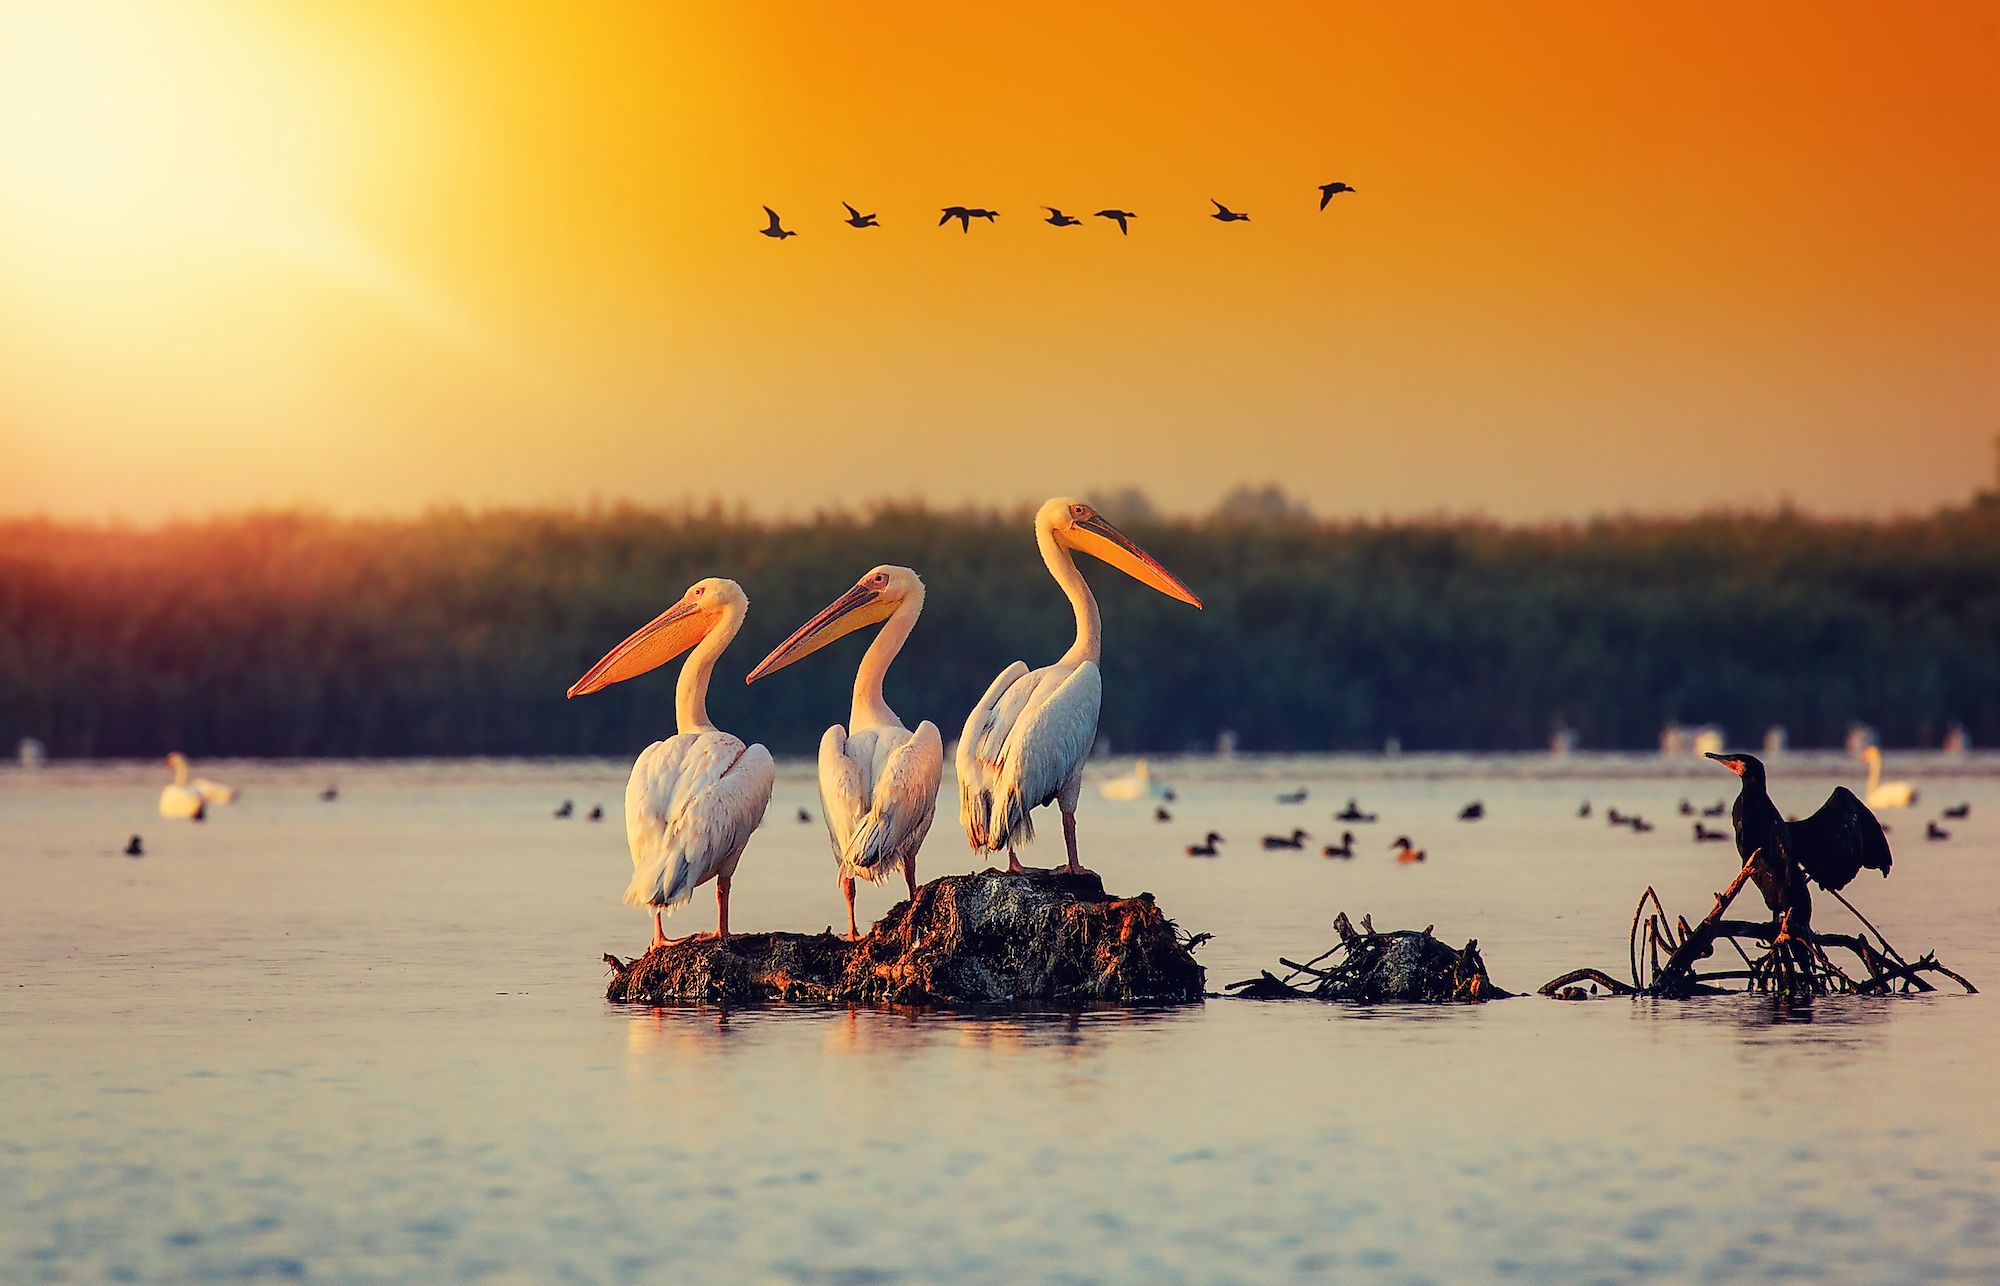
(694, 798)
(178, 798)
(878, 781)
(1137, 784)
(211, 792)
(1025, 742)
(1885, 794)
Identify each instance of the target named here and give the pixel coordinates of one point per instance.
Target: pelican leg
(910, 876)
(1013, 862)
(1069, 842)
(659, 931)
(847, 891)
(722, 908)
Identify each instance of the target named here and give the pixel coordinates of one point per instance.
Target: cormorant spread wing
(1838, 840)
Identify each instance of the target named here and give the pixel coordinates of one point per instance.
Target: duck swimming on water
(1297, 839)
(1405, 851)
(1353, 813)
(1207, 846)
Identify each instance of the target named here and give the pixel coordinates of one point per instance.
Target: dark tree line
(457, 633)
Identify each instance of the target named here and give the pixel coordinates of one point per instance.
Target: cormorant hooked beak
(1732, 762)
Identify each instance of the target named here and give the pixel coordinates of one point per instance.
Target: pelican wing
(1043, 724)
(690, 807)
(1838, 840)
(843, 788)
(1051, 740)
(979, 747)
(213, 792)
(903, 806)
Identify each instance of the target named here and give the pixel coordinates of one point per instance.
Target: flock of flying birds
(965, 214)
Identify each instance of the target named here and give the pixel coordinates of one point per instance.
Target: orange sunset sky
(377, 254)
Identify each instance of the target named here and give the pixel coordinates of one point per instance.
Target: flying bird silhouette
(1328, 191)
(965, 215)
(1060, 219)
(1223, 214)
(856, 219)
(775, 232)
(1119, 216)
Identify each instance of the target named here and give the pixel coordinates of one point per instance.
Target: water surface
(366, 1039)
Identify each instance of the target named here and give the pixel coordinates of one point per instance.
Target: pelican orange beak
(1730, 762)
(857, 608)
(662, 639)
(1101, 540)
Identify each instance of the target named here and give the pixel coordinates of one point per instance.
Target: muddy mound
(989, 939)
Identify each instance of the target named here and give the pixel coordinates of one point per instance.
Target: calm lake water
(367, 1039)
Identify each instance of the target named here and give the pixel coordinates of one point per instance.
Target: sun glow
(176, 171)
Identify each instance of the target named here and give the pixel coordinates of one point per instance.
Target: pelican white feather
(878, 780)
(1025, 743)
(694, 799)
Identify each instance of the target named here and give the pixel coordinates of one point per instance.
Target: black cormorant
(856, 219)
(133, 848)
(1831, 846)
(1206, 848)
(1118, 217)
(1472, 812)
(1328, 191)
(1343, 849)
(1297, 840)
(1060, 219)
(1223, 214)
(568, 807)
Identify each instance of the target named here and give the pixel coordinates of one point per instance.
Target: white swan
(1885, 794)
(211, 792)
(178, 799)
(1137, 784)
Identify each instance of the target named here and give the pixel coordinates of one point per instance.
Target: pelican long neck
(1089, 643)
(180, 771)
(691, 695)
(1874, 772)
(869, 706)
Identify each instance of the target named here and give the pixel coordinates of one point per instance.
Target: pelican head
(874, 599)
(1748, 767)
(1076, 525)
(178, 762)
(667, 635)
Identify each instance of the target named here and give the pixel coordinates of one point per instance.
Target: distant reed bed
(457, 632)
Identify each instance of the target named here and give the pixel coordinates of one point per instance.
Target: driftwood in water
(1664, 957)
(987, 939)
(1380, 968)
